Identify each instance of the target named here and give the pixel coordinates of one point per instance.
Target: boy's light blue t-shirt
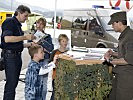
(35, 84)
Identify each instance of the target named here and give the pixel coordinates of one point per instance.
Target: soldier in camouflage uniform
(122, 86)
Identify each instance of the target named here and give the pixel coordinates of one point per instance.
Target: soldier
(122, 86)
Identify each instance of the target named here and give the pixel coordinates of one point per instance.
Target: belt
(50, 91)
(12, 51)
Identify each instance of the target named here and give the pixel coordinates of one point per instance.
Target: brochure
(44, 70)
(39, 35)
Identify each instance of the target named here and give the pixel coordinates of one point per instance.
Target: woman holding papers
(45, 41)
(43, 38)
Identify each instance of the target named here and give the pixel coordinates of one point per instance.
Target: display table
(78, 79)
(81, 62)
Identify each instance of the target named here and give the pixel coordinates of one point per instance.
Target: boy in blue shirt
(34, 82)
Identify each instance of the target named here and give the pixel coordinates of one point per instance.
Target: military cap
(118, 16)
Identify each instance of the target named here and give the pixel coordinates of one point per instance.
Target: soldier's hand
(30, 37)
(108, 54)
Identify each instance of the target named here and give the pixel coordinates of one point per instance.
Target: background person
(47, 45)
(122, 86)
(46, 42)
(12, 45)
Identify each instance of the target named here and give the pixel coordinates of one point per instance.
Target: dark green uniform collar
(124, 32)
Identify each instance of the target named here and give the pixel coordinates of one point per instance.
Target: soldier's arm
(109, 54)
(127, 57)
(120, 61)
(115, 54)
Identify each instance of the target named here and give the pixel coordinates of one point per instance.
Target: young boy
(63, 42)
(34, 82)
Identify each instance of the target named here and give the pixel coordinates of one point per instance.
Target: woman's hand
(55, 58)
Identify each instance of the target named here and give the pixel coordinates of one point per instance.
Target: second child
(34, 82)
(63, 42)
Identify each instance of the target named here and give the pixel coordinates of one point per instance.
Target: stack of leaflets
(95, 56)
(98, 50)
(79, 49)
(85, 56)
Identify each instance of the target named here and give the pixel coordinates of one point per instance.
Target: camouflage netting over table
(82, 82)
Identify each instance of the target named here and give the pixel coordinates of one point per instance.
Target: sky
(68, 4)
(61, 4)
(49, 4)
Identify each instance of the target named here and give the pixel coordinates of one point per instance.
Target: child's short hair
(61, 36)
(33, 50)
(43, 20)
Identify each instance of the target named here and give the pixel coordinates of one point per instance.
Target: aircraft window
(94, 26)
(87, 33)
(77, 20)
(79, 23)
(86, 25)
(93, 23)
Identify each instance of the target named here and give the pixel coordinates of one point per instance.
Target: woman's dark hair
(22, 9)
(43, 20)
